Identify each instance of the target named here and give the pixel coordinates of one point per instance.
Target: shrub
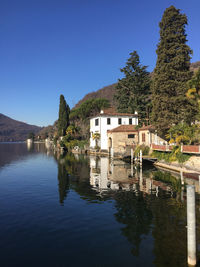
(145, 150)
(175, 155)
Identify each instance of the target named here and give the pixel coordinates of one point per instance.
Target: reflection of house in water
(117, 175)
(99, 168)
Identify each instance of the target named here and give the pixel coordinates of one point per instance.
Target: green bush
(174, 155)
(55, 140)
(145, 150)
(72, 143)
(182, 157)
(62, 144)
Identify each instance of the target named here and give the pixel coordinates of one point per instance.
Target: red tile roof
(131, 128)
(148, 127)
(112, 112)
(118, 114)
(123, 128)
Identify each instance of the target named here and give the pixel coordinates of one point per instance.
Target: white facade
(108, 175)
(99, 169)
(104, 122)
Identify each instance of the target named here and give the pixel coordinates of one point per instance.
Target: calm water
(74, 210)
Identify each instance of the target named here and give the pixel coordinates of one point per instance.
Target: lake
(76, 210)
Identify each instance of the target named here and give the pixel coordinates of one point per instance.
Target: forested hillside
(12, 130)
(109, 91)
(105, 92)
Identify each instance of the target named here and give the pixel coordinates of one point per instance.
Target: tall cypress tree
(133, 91)
(63, 120)
(170, 104)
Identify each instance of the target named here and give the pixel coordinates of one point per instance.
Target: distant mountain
(12, 130)
(195, 66)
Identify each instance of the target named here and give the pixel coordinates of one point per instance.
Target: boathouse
(107, 120)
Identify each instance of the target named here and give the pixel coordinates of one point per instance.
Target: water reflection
(151, 204)
(110, 204)
(106, 174)
(13, 152)
(63, 182)
(134, 212)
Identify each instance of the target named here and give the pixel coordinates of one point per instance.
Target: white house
(108, 120)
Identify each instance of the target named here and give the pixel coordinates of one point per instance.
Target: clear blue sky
(74, 47)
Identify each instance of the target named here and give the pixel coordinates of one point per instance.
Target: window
(119, 121)
(143, 137)
(131, 136)
(130, 121)
(108, 121)
(96, 122)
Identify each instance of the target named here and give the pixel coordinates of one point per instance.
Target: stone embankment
(192, 165)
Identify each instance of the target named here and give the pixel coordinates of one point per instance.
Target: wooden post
(140, 157)
(132, 169)
(191, 225)
(157, 190)
(112, 152)
(156, 137)
(141, 180)
(199, 183)
(182, 179)
(131, 155)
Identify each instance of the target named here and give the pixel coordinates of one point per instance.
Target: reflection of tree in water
(74, 173)
(163, 217)
(169, 179)
(63, 182)
(169, 232)
(133, 211)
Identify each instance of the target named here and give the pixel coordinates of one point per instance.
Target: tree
(89, 108)
(181, 133)
(96, 137)
(31, 135)
(63, 120)
(193, 93)
(63, 182)
(133, 91)
(172, 72)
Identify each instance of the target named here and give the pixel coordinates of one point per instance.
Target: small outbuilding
(125, 136)
(121, 137)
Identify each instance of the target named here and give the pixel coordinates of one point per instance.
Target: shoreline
(176, 168)
(191, 166)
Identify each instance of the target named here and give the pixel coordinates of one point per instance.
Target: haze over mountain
(12, 130)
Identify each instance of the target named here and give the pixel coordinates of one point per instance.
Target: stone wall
(120, 140)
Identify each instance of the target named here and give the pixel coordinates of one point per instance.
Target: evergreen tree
(133, 91)
(170, 104)
(63, 120)
(193, 93)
